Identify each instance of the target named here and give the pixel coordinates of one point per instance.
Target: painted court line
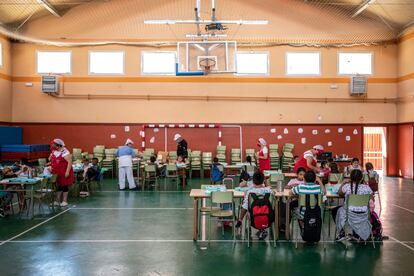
(402, 243)
(131, 208)
(34, 227)
(408, 210)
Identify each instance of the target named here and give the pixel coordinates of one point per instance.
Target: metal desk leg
(32, 201)
(287, 223)
(195, 219)
(276, 228)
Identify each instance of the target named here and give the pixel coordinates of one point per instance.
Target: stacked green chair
(235, 156)
(195, 162)
(109, 161)
(250, 152)
(172, 156)
(99, 152)
(147, 154)
(207, 160)
(77, 155)
(287, 157)
(274, 156)
(221, 154)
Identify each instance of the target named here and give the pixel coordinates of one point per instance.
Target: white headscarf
(128, 141)
(262, 142)
(59, 142)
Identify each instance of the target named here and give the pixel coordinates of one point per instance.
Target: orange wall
(405, 150)
(5, 83)
(30, 105)
(406, 88)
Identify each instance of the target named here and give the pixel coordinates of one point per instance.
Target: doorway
(375, 148)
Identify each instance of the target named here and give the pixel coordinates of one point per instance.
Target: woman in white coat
(125, 154)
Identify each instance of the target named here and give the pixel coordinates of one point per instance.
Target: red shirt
(303, 162)
(264, 164)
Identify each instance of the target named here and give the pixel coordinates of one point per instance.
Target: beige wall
(5, 82)
(406, 87)
(30, 105)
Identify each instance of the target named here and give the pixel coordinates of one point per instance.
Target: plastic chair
(366, 179)
(150, 174)
(171, 172)
(248, 221)
(335, 178)
(220, 198)
(228, 182)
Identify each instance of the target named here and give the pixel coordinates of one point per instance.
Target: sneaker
(64, 204)
(262, 235)
(341, 236)
(56, 204)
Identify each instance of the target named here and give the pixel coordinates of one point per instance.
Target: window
(355, 63)
(106, 62)
(303, 63)
(1, 55)
(256, 63)
(54, 62)
(158, 63)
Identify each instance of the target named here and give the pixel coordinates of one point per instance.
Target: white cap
(59, 142)
(128, 141)
(177, 136)
(318, 147)
(262, 141)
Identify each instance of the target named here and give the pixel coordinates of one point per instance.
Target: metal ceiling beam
(363, 7)
(49, 7)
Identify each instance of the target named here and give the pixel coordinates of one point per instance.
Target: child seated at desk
(354, 166)
(216, 173)
(300, 174)
(326, 171)
(246, 175)
(258, 188)
(91, 172)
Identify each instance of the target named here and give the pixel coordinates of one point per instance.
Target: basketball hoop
(206, 64)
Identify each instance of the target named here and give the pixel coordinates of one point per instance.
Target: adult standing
(125, 154)
(308, 160)
(61, 163)
(263, 155)
(182, 146)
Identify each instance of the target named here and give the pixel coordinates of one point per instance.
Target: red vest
(264, 164)
(302, 162)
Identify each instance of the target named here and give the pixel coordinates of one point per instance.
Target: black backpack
(312, 221)
(261, 211)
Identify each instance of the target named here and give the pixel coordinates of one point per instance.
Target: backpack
(262, 214)
(244, 175)
(216, 174)
(376, 226)
(312, 221)
(373, 183)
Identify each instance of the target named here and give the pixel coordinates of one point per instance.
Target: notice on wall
(340, 130)
(126, 128)
(300, 130)
(315, 132)
(285, 131)
(279, 137)
(156, 130)
(348, 138)
(330, 144)
(152, 140)
(327, 131)
(355, 132)
(303, 140)
(272, 130)
(113, 136)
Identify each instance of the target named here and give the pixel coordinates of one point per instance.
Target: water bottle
(279, 186)
(30, 174)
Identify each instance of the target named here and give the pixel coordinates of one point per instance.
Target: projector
(215, 27)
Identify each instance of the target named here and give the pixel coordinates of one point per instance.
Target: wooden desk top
(199, 193)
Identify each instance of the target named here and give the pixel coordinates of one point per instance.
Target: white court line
(184, 241)
(408, 210)
(30, 229)
(402, 243)
(131, 208)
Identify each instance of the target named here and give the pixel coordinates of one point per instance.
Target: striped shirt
(306, 189)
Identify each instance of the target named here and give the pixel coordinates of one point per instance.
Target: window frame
(158, 74)
(254, 52)
(355, 52)
(53, 51)
(106, 74)
(303, 52)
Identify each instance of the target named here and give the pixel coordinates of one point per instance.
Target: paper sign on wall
(141, 133)
(279, 137)
(285, 131)
(126, 128)
(152, 140)
(113, 136)
(156, 130)
(300, 130)
(327, 131)
(355, 132)
(273, 130)
(330, 144)
(315, 132)
(303, 140)
(340, 130)
(348, 138)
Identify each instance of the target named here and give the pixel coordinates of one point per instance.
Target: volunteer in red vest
(61, 163)
(262, 156)
(308, 160)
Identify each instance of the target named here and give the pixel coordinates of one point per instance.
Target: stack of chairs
(77, 155)
(287, 157)
(235, 156)
(207, 160)
(147, 154)
(274, 156)
(250, 152)
(99, 152)
(221, 154)
(172, 156)
(195, 162)
(109, 161)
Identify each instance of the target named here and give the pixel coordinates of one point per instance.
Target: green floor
(150, 233)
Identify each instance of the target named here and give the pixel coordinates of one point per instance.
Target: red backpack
(261, 211)
(373, 183)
